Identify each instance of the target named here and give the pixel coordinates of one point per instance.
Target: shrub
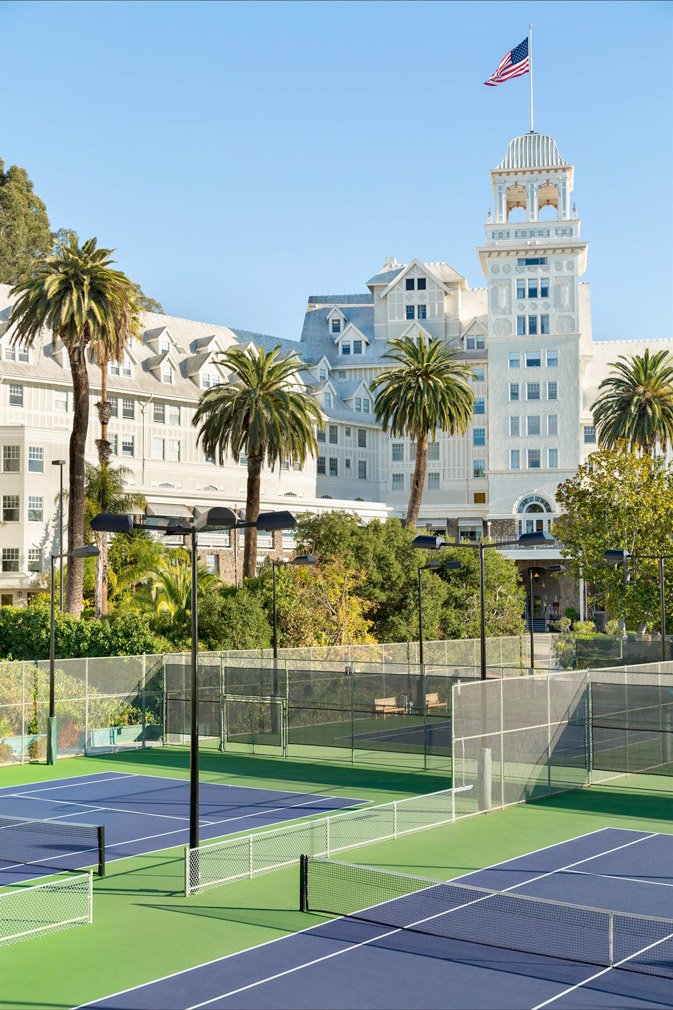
(584, 627)
(563, 624)
(24, 634)
(6, 753)
(68, 737)
(612, 626)
(571, 613)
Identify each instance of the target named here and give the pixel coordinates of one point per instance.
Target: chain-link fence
(41, 909)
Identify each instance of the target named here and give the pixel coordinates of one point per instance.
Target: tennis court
(529, 932)
(140, 814)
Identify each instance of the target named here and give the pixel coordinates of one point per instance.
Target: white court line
(309, 929)
(90, 806)
(68, 785)
(623, 879)
(381, 936)
(236, 785)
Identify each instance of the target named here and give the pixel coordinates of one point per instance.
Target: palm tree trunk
(251, 514)
(418, 479)
(100, 596)
(80, 425)
(104, 452)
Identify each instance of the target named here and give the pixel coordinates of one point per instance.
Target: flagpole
(530, 65)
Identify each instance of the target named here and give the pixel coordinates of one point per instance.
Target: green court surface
(145, 928)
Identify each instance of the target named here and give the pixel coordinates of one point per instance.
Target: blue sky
(241, 156)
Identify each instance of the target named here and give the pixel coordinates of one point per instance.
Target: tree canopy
(25, 234)
(636, 402)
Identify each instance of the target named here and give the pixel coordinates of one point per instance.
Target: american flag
(513, 64)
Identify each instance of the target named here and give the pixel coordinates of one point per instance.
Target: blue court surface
(140, 813)
(351, 962)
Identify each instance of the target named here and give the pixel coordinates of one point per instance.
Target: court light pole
(190, 525)
(541, 538)
(617, 557)
(60, 463)
(431, 566)
(533, 575)
(87, 551)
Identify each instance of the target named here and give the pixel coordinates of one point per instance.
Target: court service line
(91, 806)
(234, 785)
(623, 879)
(71, 785)
(411, 925)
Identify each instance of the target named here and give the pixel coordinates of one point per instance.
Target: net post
(101, 849)
(303, 883)
(90, 898)
(187, 889)
(394, 819)
(611, 938)
(250, 861)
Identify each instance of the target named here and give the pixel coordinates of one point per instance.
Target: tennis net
(476, 915)
(55, 845)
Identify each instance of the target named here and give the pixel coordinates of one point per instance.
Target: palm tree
(105, 491)
(259, 415)
(636, 404)
(170, 585)
(78, 296)
(425, 392)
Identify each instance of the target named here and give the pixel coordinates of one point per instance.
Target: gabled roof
(195, 362)
(449, 275)
(350, 331)
(316, 330)
(365, 299)
(475, 324)
(349, 389)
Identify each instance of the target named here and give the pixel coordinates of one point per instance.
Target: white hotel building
(526, 333)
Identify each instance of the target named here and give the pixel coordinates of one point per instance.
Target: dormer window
(121, 369)
(409, 310)
(420, 284)
(164, 345)
(208, 379)
(322, 374)
(17, 352)
(410, 284)
(167, 374)
(327, 398)
(475, 341)
(336, 326)
(345, 347)
(357, 347)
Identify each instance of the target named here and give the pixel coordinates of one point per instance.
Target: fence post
(23, 712)
(143, 702)
(222, 726)
(90, 897)
(86, 706)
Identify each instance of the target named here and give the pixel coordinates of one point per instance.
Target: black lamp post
(432, 566)
(87, 551)
(185, 524)
(533, 577)
(541, 538)
(60, 463)
(617, 557)
(302, 561)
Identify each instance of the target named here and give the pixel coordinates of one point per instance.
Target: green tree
(262, 415)
(105, 490)
(425, 392)
(167, 594)
(231, 618)
(25, 235)
(79, 297)
(618, 500)
(131, 557)
(636, 405)
(504, 593)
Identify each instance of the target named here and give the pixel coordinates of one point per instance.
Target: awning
(475, 521)
(168, 512)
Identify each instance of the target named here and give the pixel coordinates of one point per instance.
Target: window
(552, 390)
(479, 375)
(322, 468)
(514, 459)
(433, 479)
(15, 395)
(341, 373)
(552, 359)
(348, 464)
(10, 353)
(114, 441)
(362, 469)
(420, 284)
(327, 398)
(533, 358)
(398, 481)
(362, 438)
(320, 434)
(532, 325)
(35, 508)
(478, 467)
(544, 324)
(345, 347)
(552, 424)
(589, 434)
(479, 436)
(35, 459)
(128, 445)
(532, 261)
(433, 450)
(10, 559)
(242, 461)
(532, 390)
(520, 326)
(333, 466)
(128, 408)
(358, 404)
(409, 284)
(544, 287)
(213, 564)
(514, 359)
(208, 379)
(533, 459)
(365, 405)
(514, 390)
(336, 326)
(167, 375)
(158, 445)
(347, 433)
(10, 508)
(173, 414)
(480, 405)
(421, 312)
(476, 340)
(123, 369)
(11, 458)
(398, 452)
(114, 406)
(173, 450)
(159, 413)
(322, 374)
(515, 426)
(60, 400)
(520, 289)
(479, 497)
(552, 461)
(532, 287)
(409, 311)
(164, 345)
(533, 424)
(34, 559)
(357, 347)
(208, 457)
(333, 434)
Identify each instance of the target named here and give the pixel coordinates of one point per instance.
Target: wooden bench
(432, 701)
(387, 706)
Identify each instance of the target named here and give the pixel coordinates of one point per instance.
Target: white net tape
(45, 908)
(251, 855)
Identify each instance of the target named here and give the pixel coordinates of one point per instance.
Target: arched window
(209, 487)
(534, 503)
(358, 499)
(534, 511)
(289, 494)
(326, 496)
(516, 199)
(167, 485)
(547, 196)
